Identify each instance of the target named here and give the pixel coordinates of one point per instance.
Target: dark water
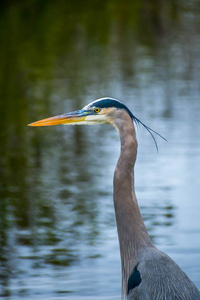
(58, 236)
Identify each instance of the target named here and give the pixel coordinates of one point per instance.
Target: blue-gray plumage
(147, 273)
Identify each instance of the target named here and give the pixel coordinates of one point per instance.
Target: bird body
(161, 278)
(147, 273)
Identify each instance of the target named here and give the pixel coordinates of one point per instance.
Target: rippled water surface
(58, 237)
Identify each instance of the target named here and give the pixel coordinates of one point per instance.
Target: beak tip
(31, 124)
(34, 124)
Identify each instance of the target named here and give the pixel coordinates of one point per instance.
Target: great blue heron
(147, 273)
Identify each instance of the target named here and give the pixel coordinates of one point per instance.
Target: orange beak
(69, 118)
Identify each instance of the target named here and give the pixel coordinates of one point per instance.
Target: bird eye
(97, 110)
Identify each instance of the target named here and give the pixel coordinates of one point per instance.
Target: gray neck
(133, 236)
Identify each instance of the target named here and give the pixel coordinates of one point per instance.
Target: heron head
(100, 111)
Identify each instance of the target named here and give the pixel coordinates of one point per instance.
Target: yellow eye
(97, 110)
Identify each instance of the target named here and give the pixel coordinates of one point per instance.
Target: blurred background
(58, 237)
